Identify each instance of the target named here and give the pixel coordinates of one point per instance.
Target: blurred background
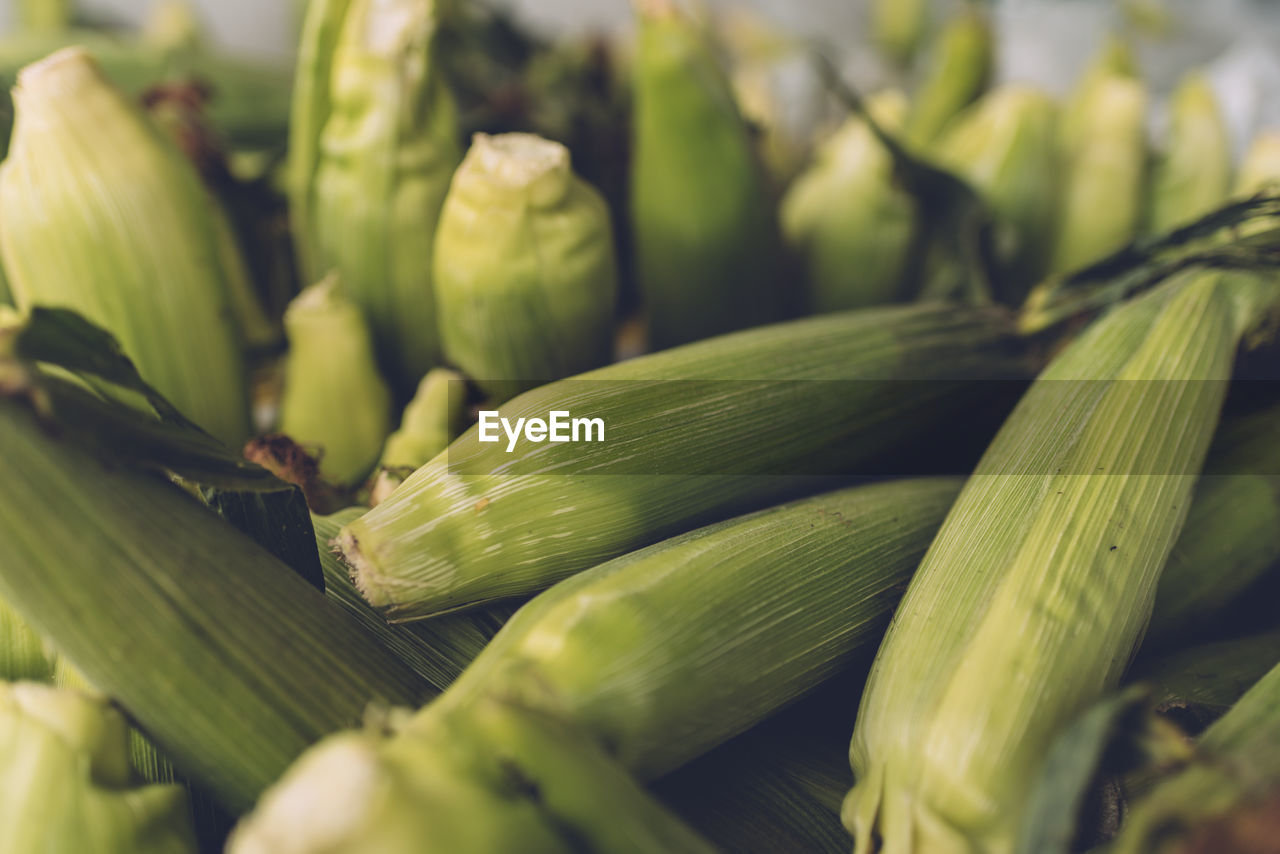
(1046, 42)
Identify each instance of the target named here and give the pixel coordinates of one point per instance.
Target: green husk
(1193, 175)
(137, 255)
(230, 661)
(373, 143)
(697, 432)
(1201, 683)
(706, 242)
(1260, 168)
(958, 73)
(1005, 145)
(44, 15)
(1066, 524)
(898, 26)
(616, 649)
(334, 401)
(501, 779)
(850, 221)
(66, 784)
(432, 420)
(1236, 769)
(1114, 60)
(754, 612)
(1232, 534)
(438, 650)
(23, 655)
(525, 274)
(1105, 155)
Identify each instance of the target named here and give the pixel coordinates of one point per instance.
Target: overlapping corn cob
(1039, 586)
(705, 237)
(66, 784)
(852, 224)
(1235, 773)
(692, 434)
(373, 143)
(755, 611)
(103, 215)
(334, 402)
(525, 274)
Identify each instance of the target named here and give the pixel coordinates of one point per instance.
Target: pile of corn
(918, 437)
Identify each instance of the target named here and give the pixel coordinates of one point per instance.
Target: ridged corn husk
(23, 655)
(373, 143)
(1105, 157)
(66, 785)
(334, 402)
(1232, 534)
(813, 396)
(706, 241)
(898, 26)
(430, 422)
(958, 72)
(501, 778)
(1193, 175)
(102, 215)
(1038, 588)
(1236, 769)
(1005, 145)
(438, 650)
(228, 659)
(525, 273)
(755, 611)
(850, 221)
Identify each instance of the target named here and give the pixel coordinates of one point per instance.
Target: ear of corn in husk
(611, 653)
(23, 655)
(373, 143)
(1005, 146)
(1105, 154)
(958, 72)
(501, 779)
(1200, 683)
(438, 650)
(854, 226)
(44, 15)
(700, 431)
(898, 26)
(1193, 174)
(1235, 771)
(1035, 593)
(1260, 168)
(430, 422)
(65, 781)
(707, 245)
(233, 663)
(334, 400)
(615, 649)
(1232, 534)
(525, 275)
(1114, 59)
(155, 282)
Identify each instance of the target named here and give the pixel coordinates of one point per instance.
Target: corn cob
(230, 661)
(505, 779)
(437, 650)
(373, 142)
(65, 781)
(694, 429)
(334, 401)
(1036, 591)
(1105, 151)
(1207, 680)
(525, 274)
(431, 421)
(850, 221)
(1236, 771)
(1114, 60)
(1193, 175)
(707, 246)
(958, 73)
(1005, 145)
(1232, 533)
(612, 652)
(156, 283)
